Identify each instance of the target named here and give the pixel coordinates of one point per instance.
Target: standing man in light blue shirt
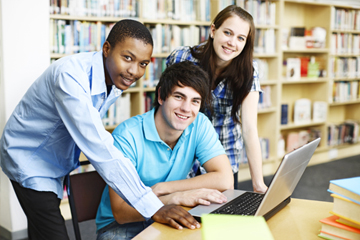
(163, 145)
(60, 116)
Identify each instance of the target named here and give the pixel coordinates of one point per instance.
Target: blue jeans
(115, 231)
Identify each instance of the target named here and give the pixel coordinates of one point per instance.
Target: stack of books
(345, 221)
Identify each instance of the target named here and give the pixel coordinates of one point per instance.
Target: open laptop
(276, 197)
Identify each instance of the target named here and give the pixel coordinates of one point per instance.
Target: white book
(319, 111)
(270, 41)
(195, 33)
(302, 111)
(263, 68)
(158, 46)
(122, 108)
(186, 36)
(272, 13)
(293, 68)
(111, 115)
(176, 37)
(354, 90)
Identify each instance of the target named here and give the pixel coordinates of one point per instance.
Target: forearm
(127, 214)
(251, 140)
(211, 180)
(253, 152)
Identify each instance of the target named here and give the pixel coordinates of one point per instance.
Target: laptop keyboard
(245, 204)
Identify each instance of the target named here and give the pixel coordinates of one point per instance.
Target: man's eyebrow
(134, 56)
(180, 93)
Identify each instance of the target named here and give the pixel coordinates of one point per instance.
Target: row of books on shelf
(344, 91)
(344, 223)
(304, 111)
(265, 97)
(183, 10)
(153, 72)
(345, 43)
(73, 36)
(119, 111)
(295, 68)
(303, 38)
(345, 19)
(345, 67)
(295, 139)
(265, 151)
(149, 98)
(346, 132)
(96, 8)
(263, 12)
(167, 37)
(265, 41)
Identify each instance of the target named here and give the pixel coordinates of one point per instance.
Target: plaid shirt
(228, 131)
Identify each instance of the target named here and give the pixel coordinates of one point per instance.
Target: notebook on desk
(276, 197)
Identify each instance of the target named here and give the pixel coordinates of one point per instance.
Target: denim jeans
(115, 231)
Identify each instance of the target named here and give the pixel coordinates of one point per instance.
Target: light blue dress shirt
(154, 160)
(59, 115)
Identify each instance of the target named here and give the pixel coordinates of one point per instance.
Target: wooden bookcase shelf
(289, 13)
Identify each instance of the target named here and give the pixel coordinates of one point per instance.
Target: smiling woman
(227, 56)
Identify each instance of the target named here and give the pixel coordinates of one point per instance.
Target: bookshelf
(283, 14)
(331, 58)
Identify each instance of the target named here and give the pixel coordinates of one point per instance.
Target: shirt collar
(150, 131)
(98, 76)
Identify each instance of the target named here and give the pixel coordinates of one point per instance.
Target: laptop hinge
(281, 205)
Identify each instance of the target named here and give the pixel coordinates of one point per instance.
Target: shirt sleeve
(256, 83)
(83, 122)
(208, 143)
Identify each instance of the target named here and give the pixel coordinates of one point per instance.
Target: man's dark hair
(183, 74)
(129, 28)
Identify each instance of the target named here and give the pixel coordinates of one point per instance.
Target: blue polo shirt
(154, 160)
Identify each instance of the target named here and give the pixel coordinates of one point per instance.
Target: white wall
(24, 55)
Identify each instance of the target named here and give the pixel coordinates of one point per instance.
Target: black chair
(85, 195)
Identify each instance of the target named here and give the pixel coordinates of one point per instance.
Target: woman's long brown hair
(239, 73)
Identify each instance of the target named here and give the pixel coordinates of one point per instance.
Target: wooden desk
(298, 220)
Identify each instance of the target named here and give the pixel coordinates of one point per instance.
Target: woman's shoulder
(180, 54)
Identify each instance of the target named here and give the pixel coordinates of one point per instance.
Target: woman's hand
(260, 187)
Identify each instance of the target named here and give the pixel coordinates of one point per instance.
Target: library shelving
(338, 86)
(170, 27)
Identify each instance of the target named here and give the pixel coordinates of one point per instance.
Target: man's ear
(106, 48)
(160, 101)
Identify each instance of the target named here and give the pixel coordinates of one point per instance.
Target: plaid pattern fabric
(228, 131)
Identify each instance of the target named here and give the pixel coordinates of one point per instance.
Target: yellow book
(218, 226)
(349, 223)
(346, 209)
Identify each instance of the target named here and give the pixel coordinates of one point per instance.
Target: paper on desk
(218, 226)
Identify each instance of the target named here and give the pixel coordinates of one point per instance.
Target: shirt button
(168, 148)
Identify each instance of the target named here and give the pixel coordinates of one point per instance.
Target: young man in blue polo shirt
(163, 145)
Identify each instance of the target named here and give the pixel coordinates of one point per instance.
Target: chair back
(85, 194)
(86, 189)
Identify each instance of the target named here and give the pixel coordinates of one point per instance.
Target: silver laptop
(276, 197)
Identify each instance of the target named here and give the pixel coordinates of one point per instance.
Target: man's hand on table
(176, 217)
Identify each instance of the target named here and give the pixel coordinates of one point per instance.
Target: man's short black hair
(183, 74)
(129, 28)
